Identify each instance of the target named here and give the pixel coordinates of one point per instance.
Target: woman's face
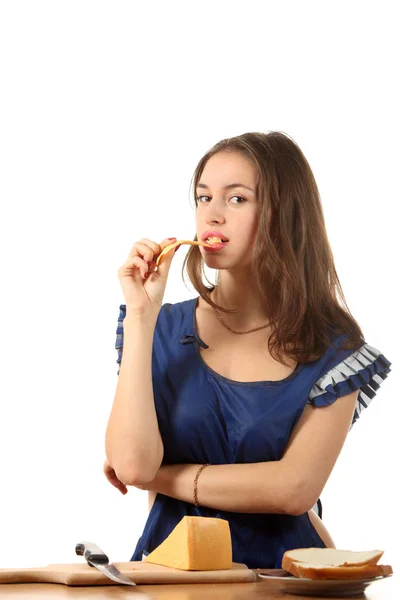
(231, 211)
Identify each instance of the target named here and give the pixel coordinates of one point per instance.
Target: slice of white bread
(331, 563)
(363, 572)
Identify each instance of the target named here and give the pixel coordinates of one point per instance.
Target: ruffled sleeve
(119, 343)
(363, 370)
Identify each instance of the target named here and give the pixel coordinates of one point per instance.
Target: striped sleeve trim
(364, 370)
(119, 343)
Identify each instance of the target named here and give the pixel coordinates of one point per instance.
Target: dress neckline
(297, 370)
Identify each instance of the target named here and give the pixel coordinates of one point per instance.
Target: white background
(106, 108)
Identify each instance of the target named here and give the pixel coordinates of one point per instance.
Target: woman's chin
(213, 259)
(223, 263)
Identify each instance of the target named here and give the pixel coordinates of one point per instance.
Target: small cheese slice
(179, 243)
(196, 544)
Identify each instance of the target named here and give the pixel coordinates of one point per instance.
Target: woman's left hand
(168, 480)
(113, 479)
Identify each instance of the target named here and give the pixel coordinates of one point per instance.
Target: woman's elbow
(137, 472)
(130, 475)
(302, 499)
(136, 469)
(300, 508)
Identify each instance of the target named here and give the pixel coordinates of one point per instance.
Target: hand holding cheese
(143, 286)
(196, 544)
(143, 277)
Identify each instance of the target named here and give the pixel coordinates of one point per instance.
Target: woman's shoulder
(343, 370)
(341, 349)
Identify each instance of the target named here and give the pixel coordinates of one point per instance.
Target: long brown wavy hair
(294, 272)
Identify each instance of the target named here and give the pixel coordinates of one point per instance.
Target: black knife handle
(92, 553)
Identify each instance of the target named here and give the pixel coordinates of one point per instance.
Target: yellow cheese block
(196, 544)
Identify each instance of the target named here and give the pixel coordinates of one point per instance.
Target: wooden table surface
(386, 589)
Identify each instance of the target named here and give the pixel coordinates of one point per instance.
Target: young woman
(236, 403)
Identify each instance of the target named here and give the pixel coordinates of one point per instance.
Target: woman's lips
(214, 246)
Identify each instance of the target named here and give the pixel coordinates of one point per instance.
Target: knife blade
(97, 558)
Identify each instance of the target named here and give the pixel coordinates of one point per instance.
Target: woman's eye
(241, 198)
(198, 198)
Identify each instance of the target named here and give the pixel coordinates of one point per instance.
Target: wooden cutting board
(139, 572)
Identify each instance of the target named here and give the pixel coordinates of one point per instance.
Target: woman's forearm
(248, 488)
(133, 443)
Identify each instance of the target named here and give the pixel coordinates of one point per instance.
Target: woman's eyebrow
(228, 187)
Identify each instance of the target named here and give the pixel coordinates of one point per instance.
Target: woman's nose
(214, 213)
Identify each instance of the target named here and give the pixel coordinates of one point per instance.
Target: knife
(96, 558)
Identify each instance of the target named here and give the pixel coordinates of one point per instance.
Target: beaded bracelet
(195, 483)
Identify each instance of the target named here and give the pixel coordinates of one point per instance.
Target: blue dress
(206, 418)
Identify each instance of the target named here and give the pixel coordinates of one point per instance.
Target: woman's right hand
(113, 479)
(143, 286)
